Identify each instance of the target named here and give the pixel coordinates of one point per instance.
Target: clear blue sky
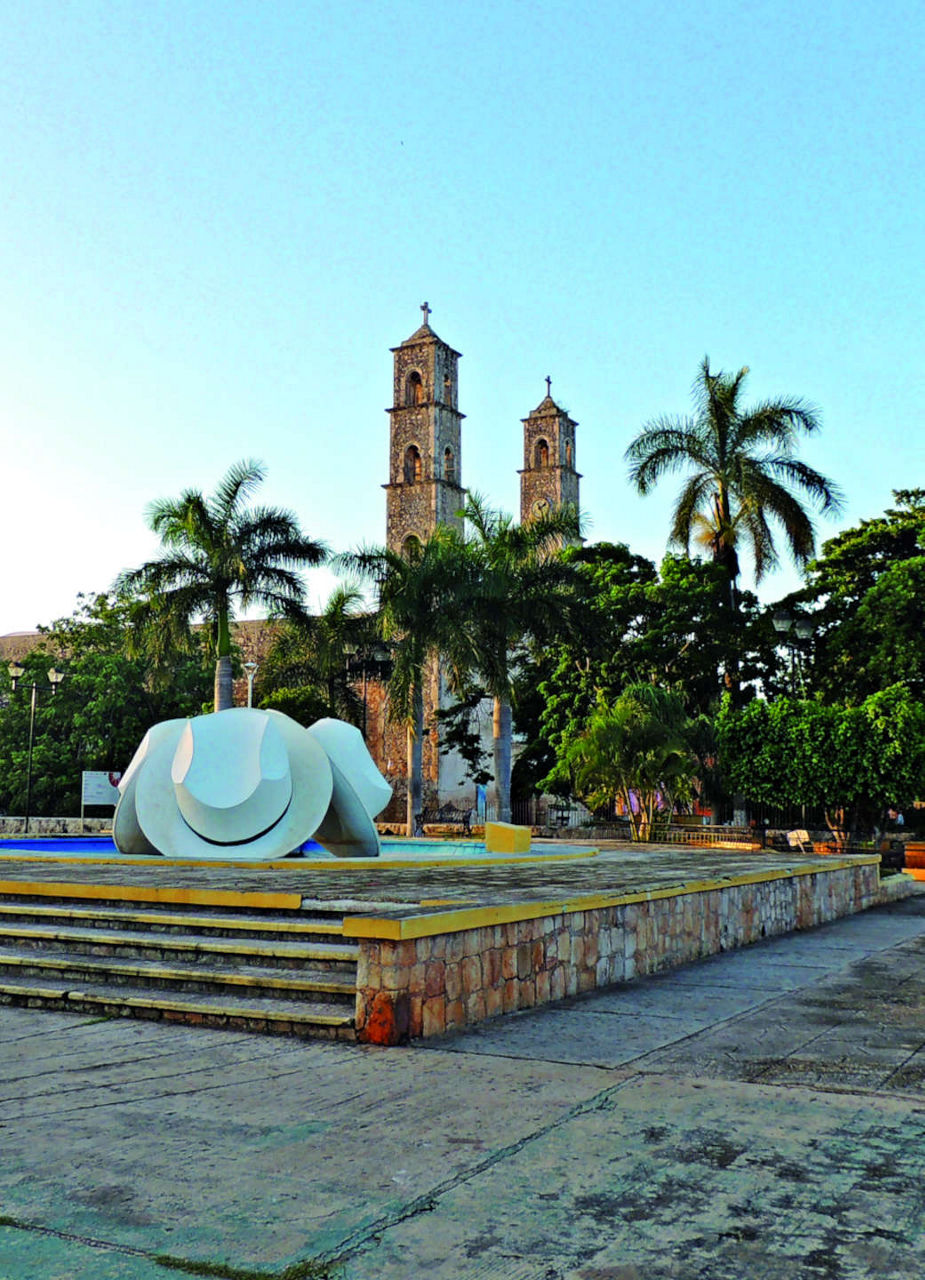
(217, 218)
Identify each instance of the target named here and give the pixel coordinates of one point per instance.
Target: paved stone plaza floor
(620, 867)
(760, 1114)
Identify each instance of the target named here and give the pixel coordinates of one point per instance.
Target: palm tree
(637, 749)
(745, 474)
(219, 555)
(421, 596)
(521, 589)
(306, 671)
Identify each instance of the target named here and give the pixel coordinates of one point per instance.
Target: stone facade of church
(548, 479)
(425, 488)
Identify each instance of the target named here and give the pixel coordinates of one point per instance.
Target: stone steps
(250, 980)
(271, 972)
(85, 940)
(164, 920)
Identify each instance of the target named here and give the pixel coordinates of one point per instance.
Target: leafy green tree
(864, 594)
(220, 555)
(892, 620)
(635, 749)
(101, 711)
(853, 561)
(670, 627)
(745, 474)
(884, 641)
(852, 760)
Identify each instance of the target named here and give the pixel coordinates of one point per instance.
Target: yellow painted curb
(316, 985)
(151, 893)
(33, 993)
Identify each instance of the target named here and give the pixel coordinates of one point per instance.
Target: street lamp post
(785, 624)
(55, 677)
(802, 628)
(251, 668)
(366, 662)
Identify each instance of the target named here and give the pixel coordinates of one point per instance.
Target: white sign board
(99, 788)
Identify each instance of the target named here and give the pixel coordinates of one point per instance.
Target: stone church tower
(548, 478)
(424, 487)
(424, 490)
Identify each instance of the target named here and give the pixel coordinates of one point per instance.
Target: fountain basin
(395, 852)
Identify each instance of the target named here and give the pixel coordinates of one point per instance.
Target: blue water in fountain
(392, 848)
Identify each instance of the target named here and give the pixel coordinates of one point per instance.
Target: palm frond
(238, 482)
(745, 471)
(813, 483)
(694, 496)
(662, 447)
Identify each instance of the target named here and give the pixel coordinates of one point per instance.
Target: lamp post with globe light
(787, 626)
(251, 668)
(17, 671)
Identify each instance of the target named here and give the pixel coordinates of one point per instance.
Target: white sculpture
(249, 784)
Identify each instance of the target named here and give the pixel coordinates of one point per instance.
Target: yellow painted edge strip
(173, 942)
(36, 993)
(152, 893)
(424, 926)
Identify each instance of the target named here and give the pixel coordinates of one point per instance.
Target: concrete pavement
(760, 1114)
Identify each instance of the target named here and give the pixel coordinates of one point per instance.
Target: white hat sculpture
(249, 784)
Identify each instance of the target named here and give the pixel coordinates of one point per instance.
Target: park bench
(447, 815)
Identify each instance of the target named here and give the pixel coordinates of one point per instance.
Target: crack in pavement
(366, 1237)
(113, 1066)
(16, 1225)
(259, 1080)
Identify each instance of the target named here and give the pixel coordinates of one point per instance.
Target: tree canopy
(745, 475)
(107, 701)
(635, 751)
(220, 555)
(852, 760)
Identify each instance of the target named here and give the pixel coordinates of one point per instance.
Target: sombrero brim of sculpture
(243, 784)
(127, 834)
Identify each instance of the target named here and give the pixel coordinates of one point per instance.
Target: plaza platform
(388, 951)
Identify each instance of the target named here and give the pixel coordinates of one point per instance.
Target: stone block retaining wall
(11, 826)
(423, 986)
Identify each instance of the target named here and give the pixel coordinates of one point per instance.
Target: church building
(425, 489)
(425, 457)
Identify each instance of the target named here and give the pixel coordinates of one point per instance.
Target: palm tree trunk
(224, 695)
(223, 684)
(415, 760)
(501, 745)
